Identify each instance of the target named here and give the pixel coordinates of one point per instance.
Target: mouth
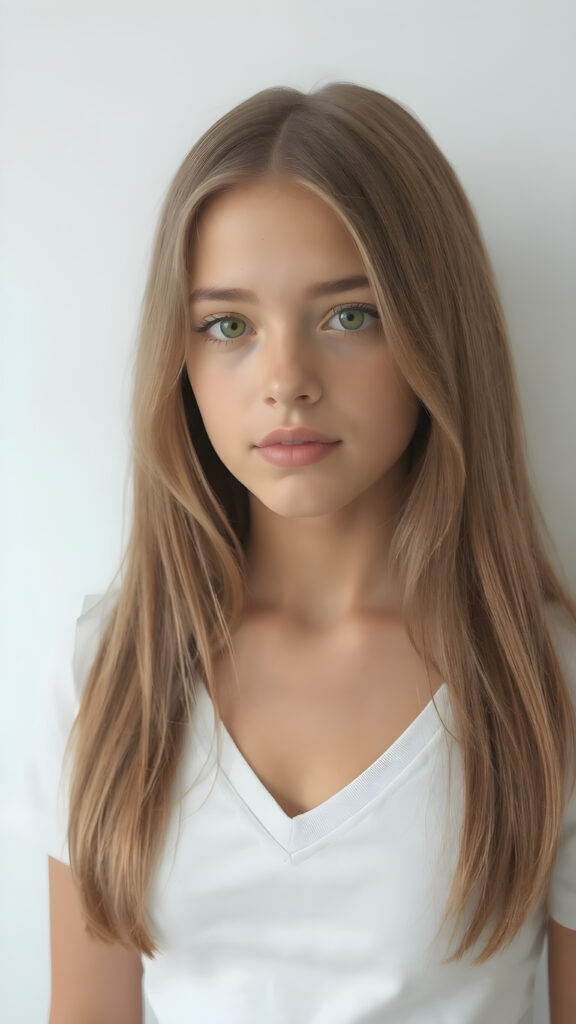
(295, 454)
(292, 444)
(294, 436)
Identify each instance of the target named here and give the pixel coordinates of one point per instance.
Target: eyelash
(206, 323)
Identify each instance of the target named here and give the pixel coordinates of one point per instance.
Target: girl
(337, 570)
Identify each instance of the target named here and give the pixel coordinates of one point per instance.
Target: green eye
(235, 326)
(351, 318)
(229, 318)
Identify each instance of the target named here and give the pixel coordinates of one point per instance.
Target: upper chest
(310, 714)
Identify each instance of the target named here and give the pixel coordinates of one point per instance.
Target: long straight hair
(470, 546)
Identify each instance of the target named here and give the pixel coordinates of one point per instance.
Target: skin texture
(91, 982)
(322, 639)
(561, 973)
(293, 362)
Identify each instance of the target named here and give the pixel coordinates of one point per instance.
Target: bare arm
(561, 973)
(92, 982)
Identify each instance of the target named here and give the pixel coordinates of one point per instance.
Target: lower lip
(296, 454)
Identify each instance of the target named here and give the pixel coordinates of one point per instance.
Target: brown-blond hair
(468, 544)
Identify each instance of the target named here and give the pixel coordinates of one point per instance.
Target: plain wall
(97, 112)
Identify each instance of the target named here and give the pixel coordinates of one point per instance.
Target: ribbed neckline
(298, 833)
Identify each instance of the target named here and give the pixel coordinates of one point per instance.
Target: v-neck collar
(298, 833)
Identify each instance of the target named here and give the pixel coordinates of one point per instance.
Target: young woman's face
(282, 358)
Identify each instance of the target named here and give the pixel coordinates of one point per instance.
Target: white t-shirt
(325, 918)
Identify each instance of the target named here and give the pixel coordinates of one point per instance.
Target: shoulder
(36, 807)
(89, 628)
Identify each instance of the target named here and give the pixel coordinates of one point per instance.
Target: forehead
(271, 220)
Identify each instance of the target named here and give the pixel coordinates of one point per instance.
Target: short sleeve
(562, 894)
(37, 807)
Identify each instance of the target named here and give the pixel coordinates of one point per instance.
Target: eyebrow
(343, 284)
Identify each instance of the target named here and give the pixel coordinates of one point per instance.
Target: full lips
(297, 454)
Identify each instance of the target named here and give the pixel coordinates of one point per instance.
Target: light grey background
(100, 103)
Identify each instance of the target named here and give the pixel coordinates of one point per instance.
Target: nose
(289, 371)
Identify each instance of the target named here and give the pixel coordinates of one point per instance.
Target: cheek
(216, 399)
(385, 398)
(405, 405)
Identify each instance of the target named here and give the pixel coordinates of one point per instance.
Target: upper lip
(295, 434)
